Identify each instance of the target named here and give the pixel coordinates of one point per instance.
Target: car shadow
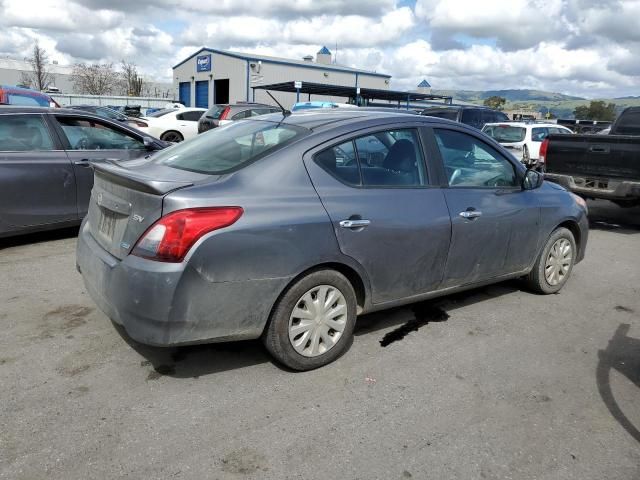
(623, 355)
(38, 237)
(195, 361)
(605, 215)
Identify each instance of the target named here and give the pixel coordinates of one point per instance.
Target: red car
(26, 97)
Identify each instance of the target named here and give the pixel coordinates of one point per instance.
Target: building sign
(203, 63)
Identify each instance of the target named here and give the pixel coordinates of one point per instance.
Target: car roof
(326, 117)
(526, 124)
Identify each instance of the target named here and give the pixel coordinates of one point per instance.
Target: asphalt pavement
(494, 383)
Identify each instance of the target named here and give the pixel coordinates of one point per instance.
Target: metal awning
(367, 94)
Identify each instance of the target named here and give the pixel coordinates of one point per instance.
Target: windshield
(160, 113)
(229, 148)
(448, 113)
(505, 133)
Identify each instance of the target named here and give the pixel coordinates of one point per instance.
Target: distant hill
(510, 95)
(558, 104)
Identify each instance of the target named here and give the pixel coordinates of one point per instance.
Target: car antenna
(285, 112)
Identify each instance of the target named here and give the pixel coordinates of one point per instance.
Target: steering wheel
(82, 144)
(455, 176)
(348, 161)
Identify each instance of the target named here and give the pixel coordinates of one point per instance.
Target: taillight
(543, 151)
(171, 237)
(225, 112)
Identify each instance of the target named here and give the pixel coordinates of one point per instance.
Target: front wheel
(312, 323)
(554, 265)
(172, 136)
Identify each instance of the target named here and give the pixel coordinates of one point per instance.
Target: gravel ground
(510, 385)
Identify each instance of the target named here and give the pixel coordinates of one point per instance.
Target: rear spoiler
(130, 179)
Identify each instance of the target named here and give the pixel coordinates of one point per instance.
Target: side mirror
(532, 180)
(149, 143)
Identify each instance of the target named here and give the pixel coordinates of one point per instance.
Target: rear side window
(449, 113)
(215, 111)
(539, 134)
(24, 133)
(190, 116)
(227, 149)
(629, 123)
(391, 158)
(505, 133)
(472, 117)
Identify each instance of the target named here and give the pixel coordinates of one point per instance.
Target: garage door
(184, 93)
(202, 94)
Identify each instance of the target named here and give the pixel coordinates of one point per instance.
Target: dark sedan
(286, 228)
(45, 155)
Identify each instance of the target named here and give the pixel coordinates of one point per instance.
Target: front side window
(391, 158)
(89, 134)
(24, 133)
(469, 162)
(223, 150)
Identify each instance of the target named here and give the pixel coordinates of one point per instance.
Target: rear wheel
(172, 136)
(312, 323)
(554, 265)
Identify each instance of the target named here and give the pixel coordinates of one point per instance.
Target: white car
(172, 125)
(523, 139)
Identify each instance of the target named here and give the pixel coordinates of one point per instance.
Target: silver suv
(223, 113)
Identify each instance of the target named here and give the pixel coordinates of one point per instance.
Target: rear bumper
(597, 187)
(165, 304)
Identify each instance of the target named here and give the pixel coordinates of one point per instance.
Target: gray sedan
(286, 228)
(45, 155)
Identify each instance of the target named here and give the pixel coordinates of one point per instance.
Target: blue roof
(424, 84)
(324, 51)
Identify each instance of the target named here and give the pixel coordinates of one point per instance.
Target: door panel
(495, 224)
(37, 184)
(403, 242)
(91, 140)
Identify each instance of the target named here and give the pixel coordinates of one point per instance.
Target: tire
(172, 136)
(537, 279)
(281, 332)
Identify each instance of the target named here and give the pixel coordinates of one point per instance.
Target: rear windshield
(449, 113)
(505, 133)
(215, 111)
(229, 148)
(160, 113)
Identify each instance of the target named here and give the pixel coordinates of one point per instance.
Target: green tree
(597, 110)
(495, 102)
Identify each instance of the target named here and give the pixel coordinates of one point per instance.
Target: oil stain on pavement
(424, 313)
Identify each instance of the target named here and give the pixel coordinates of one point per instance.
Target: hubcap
(317, 321)
(558, 262)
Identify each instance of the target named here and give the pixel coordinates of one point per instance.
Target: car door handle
(82, 163)
(470, 214)
(354, 223)
(599, 149)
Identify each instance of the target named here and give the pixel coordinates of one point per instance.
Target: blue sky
(579, 47)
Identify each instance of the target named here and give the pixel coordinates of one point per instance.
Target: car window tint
(241, 115)
(24, 133)
(402, 163)
(193, 116)
(230, 148)
(469, 162)
(391, 158)
(340, 161)
(473, 117)
(539, 134)
(89, 134)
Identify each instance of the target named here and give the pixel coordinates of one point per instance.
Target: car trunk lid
(127, 199)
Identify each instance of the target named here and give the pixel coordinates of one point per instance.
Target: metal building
(211, 76)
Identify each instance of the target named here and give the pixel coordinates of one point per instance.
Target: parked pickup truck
(599, 166)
